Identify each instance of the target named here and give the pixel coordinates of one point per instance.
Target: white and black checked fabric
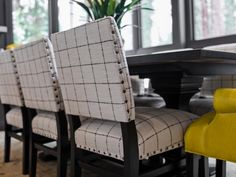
(35, 64)
(14, 117)
(158, 130)
(201, 105)
(95, 83)
(93, 72)
(210, 84)
(44, 124)
(10, 89)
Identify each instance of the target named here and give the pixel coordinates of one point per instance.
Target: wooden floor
(13, 168)
(48, 169)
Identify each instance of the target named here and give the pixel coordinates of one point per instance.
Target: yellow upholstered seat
(213, 135)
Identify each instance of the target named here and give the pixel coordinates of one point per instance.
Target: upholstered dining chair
(116, 139)
(16, 119)
(144, 95)
(202, 102)
(38, 77)
(213, 135)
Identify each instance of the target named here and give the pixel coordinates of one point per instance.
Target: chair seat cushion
(153, 100)
(158, 130)
(44, 124)
(201, 105)
(213, 135)
(14, 117)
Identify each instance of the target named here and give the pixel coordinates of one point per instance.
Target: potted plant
(116, 8)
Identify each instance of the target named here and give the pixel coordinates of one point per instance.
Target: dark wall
(2, 44)
(1, 118)
(6, 20)
(2, 23)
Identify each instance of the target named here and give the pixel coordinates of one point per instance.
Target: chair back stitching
(63, 54)
(37, 92)
(16, 98)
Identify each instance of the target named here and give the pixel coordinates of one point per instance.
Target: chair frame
(60, 152)
(131, 166)
(198, 166)
(13, 132)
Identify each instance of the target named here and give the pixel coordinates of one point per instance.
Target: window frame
(183, 28)
(191, 42)
(177, 29)
(6, 20)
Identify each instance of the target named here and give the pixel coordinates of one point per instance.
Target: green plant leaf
(105, 7)
(136, 26)
(86, 8)
(111, 8)
(120, 7)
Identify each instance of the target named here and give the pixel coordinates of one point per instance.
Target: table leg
(176, 89)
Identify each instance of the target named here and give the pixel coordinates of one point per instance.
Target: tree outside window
(214, 18)
(30, 20)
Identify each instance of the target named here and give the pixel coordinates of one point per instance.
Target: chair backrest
(38, 77)
(10, 89)
(210, 84)
(93, 72)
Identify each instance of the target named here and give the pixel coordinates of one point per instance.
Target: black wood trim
(220, 168)
(53, 16)
(131, 151)
(165, 169)
(46, 149)
(204, 167)
(74, 123)
(16, 135)
(62, 129)
(192, 165)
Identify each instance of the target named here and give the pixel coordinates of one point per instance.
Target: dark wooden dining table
(177, 75)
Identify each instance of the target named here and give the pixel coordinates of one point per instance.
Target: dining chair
(144, 96)
(38, 77)
(116, 139)
(16, 120)
(212, 135)
(202, 102)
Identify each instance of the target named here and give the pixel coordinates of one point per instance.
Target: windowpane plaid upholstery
(158, 130)
(210, 84)
(10, 90)
(14, 117)
(93, 71)
(35, 63)
(95, 83)
(200, 106)
(44, 124)
(203, 105)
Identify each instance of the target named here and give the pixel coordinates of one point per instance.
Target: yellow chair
(213, 135)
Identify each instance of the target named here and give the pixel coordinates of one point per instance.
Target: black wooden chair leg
(33, 161)
(220, 168)
(204, 167)
(75, 168)
(61, 163)
(25, 156)
(7, 148)
(131, 155)
(192, 165)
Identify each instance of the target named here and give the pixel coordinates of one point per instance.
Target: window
(70, 15)
(157, 23)
(127, 31)
(214, 18)
(30, 20)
